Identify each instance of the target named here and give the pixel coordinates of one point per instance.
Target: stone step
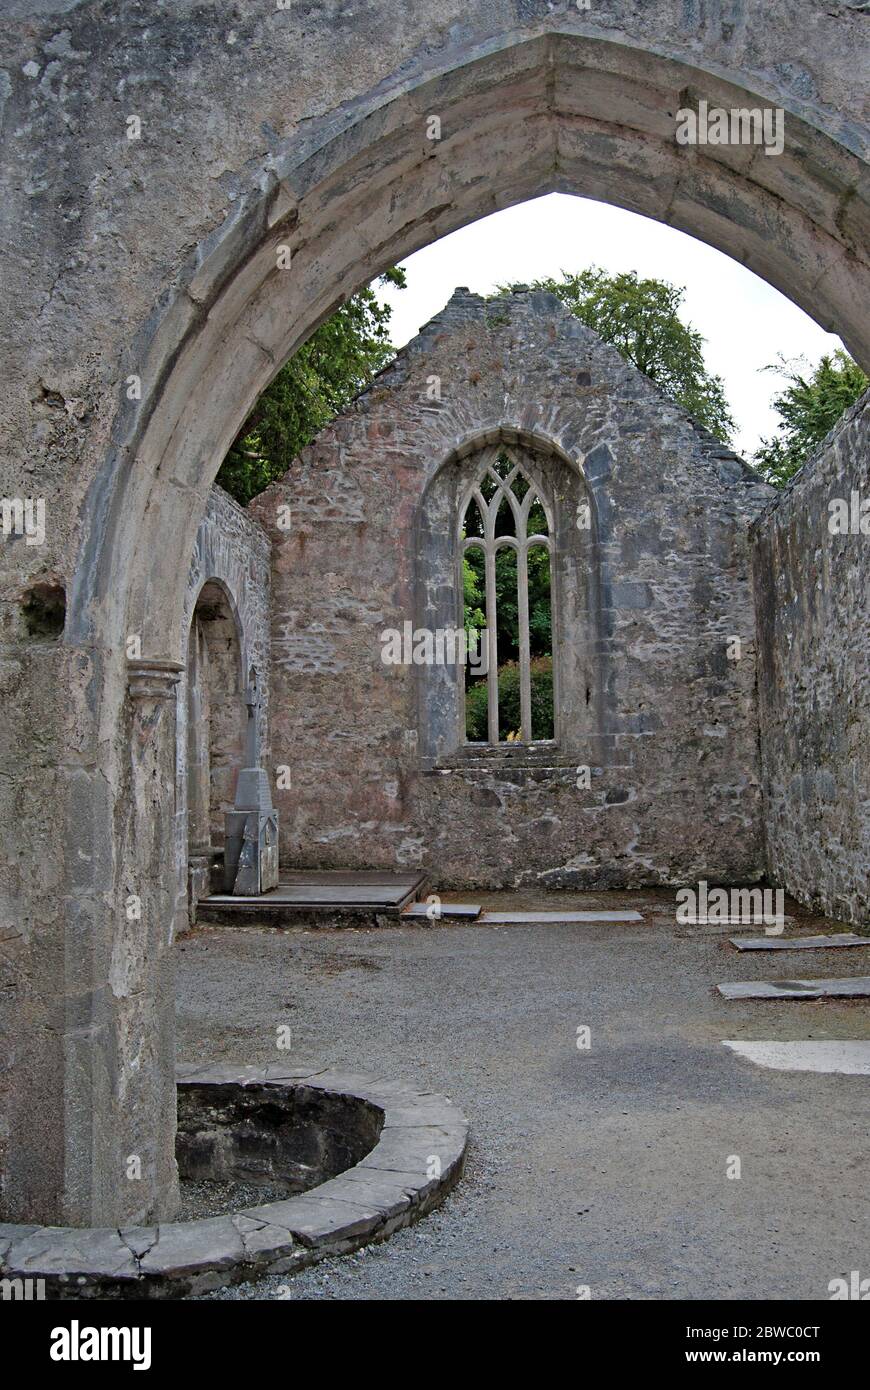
(798, 943)
(856, 988)
(331, 897)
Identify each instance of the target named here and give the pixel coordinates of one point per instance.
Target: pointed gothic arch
(548, 101)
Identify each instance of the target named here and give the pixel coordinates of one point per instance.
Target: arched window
(216, 715)
(505, 583)
(507, 544)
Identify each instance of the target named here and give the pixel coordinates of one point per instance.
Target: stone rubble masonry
(667, 721)
(812, 591)
(155, 258)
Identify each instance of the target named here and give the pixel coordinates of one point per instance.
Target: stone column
(198, 752)
(87, 1124)
(141, 975)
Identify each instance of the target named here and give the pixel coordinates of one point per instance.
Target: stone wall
(670, 732)
(231, 560)
(143, 313)
(812, 587)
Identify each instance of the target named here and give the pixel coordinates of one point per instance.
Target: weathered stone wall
(233, 551)
(151, 261)
(812, 589)
(671, 737)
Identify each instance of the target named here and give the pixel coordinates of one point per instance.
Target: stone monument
(251, 839)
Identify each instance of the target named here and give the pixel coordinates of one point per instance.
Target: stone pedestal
(251, 838)
(251, 855)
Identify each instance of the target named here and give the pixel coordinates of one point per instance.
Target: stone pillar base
(251, 853)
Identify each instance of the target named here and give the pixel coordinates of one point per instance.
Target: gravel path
(603, 1167)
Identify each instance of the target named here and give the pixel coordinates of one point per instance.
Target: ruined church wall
(672, 746)
(232, 549)
(812, 589)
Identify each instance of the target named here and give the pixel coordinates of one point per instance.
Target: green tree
(474, 593)
(319, 381)
(809, 407)
(641, 320)
(509, 716)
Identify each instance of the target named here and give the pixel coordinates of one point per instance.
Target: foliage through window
(506, 557)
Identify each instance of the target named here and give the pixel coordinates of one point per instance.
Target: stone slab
(71, 1252)
(188, 1247)
(431, 1114)
(830, 1057)
(856, 988)
(383, 1185)
(317, 1220)
(798, 943)
(411, 1152)
(12, 1234)
(554, 918)
(446, 911)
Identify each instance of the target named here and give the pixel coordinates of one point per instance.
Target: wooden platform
(340, 897)
(365, 897)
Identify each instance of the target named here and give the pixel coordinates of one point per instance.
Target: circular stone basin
(357, 1156)
(234, 1140)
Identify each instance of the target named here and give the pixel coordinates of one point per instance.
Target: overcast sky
(746, 323)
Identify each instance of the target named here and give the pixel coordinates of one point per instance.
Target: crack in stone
(139, 1254)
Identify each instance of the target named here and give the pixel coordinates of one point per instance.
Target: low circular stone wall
(285, 1138)
(262, 1123)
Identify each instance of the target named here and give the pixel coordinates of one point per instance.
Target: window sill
(485, 758)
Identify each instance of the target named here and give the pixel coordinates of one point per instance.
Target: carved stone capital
(153, 680)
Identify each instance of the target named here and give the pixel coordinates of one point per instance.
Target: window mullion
(492, 644)
(525, 658)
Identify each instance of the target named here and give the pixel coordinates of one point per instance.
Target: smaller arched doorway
(215, 717)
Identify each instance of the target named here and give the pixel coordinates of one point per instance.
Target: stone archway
(553, 113)
(556, 100)
(215, 713)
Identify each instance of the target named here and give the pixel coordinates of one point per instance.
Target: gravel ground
(208, 1198)
(603, 1167)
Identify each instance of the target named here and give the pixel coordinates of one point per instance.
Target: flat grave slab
(798, 943)
(446, 911)
(856, 988)
(556, 917)
(828, 1056)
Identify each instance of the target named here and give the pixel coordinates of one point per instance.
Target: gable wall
(672, 744)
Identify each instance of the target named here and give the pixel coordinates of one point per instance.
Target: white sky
(746, 323)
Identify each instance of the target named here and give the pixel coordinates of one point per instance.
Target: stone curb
(418, 1158)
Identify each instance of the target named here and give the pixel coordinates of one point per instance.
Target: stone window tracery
(505, 582)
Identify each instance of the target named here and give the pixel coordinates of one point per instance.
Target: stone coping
(418, 1158)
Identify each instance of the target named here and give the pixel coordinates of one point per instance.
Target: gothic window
(505, 556)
